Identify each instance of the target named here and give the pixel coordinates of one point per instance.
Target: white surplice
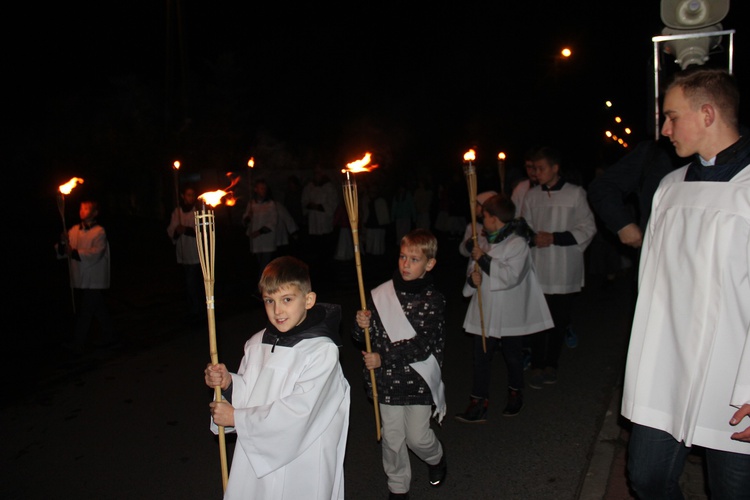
(688, 364)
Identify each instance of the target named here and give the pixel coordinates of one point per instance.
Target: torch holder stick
(471, 184)
(501, 174)
(352, 208)
(205, 224)
(61, 209)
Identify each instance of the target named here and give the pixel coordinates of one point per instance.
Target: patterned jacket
(398, 383)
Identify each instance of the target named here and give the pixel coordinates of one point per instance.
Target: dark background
(115, 93)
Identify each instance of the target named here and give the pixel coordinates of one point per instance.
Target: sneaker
(571, 339)
(549, 376)
(476, 412)
(536, 380)
(515, 403)
(437, 472)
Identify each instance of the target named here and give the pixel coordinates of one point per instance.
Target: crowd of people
(687, 380)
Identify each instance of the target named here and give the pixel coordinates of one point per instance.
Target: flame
(501, 156)
(176, 165)
(213, 198)
(360, 165)
(68, 186)
(470, 155)
(251, 162)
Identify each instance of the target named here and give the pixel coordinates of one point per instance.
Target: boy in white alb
(559, 213)
(289, 400)
(407, 329)
(513, 304)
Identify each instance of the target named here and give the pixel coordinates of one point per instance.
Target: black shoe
(476, 412)
(437, 472)
(515, 403)
(398, 496)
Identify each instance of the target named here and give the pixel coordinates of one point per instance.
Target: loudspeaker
(691, 51)
(693, 14)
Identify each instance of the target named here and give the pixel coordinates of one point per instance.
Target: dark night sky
(416, 85)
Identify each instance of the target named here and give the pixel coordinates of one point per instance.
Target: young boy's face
(546, 173)
(413, 264)
(287, 307)
(491, 223)
(87, 211)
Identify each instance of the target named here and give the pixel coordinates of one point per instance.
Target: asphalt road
(133, 423)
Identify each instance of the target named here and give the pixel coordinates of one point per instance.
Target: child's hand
(363, 318)
(476, 253)
(371, 359)
(217, 375)
(223, 413)
(476, 278)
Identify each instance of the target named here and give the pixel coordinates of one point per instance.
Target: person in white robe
(181, 232)
(687, 377)
(289, 401)
(512, 304)
(559, 213)
(261, 221)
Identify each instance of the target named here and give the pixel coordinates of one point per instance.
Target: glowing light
(176, 165)
(360, 165)
(213, 198)
(501, 156)
(68, 186)
(566, 52)
(470, 155)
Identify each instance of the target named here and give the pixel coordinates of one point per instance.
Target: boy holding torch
(289, 400)
(405, 318)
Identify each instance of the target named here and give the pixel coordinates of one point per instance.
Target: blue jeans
(656, 460)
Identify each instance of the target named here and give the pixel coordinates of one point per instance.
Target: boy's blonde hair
(423, 239)
(283, 272)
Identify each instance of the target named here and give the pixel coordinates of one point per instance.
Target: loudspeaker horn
(693, 14)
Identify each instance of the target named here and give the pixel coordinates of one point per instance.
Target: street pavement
(133, 422)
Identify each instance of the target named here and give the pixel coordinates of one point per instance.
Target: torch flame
(176, 165)
(470, 155)
(213, 198)
(360, 165)
(68, 186)
(251, 162)
(501, 156)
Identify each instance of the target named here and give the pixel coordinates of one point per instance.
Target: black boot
(515, 403)
(476, 412)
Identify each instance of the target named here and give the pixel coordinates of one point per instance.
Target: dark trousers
(92, 304)
(195, 289)
(512, 351)
(546, 345)
(656, 460)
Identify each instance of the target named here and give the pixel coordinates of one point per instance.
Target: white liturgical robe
(688, 366)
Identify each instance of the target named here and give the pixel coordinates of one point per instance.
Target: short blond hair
(423, 239)
(285, 271)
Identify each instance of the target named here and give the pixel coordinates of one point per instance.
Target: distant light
(566, 52)
(608, 104)
(608, 133)
(627, 130)
(618, 119)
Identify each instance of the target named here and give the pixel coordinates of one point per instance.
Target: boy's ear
(310, 300)
(430, 264)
